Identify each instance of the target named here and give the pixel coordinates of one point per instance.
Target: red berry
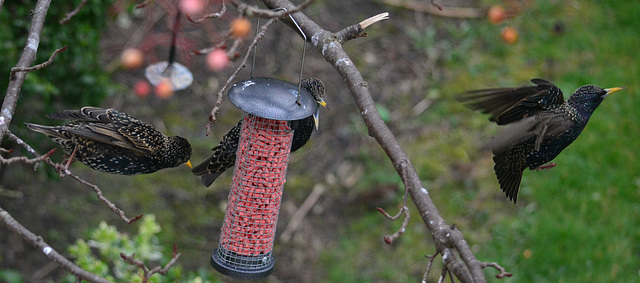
(496, 14)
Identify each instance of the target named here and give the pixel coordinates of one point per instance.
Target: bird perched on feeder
(110, 141)
(224, 155)
(538, 125)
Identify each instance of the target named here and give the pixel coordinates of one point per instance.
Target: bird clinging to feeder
(538, 125)
(279, 118)
(114, 142)
(224, 155)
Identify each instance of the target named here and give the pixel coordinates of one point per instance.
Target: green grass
(577, 222)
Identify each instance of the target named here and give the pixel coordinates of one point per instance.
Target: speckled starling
(114, 142)
(224, 155)
(538, 125)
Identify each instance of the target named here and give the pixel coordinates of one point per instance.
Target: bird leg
(546, 166)
(71, 158)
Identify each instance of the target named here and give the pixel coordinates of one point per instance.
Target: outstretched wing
(506, 105)
(542, 127)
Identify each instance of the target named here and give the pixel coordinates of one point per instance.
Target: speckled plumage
(538, 125)
(114, 142)
(224, 155)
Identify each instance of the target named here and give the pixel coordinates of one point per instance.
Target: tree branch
(37, 242)
(26, 59)
(445, 238)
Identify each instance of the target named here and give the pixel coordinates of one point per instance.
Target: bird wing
(222, 158)
(112, 127)
(506, 105)
(543, 126)
(106, 134)
(85, 114)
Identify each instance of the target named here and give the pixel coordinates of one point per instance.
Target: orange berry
(240, 27)
(509, 35)
(496, 14)
(164, 89)
(131, 58)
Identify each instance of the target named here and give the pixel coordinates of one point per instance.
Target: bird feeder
(248, 231)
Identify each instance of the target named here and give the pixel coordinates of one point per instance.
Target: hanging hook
(304, 50)
(255, 48)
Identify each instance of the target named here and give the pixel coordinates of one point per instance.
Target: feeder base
(264, 265)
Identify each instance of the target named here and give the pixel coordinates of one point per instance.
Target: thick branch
(26, 59)
(37, 242)
(444, 236)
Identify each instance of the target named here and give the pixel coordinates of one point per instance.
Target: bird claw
(68, 162)
(546, 166)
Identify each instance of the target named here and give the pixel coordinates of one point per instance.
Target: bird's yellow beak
(613, 89)
(324, 104)
(188, 163)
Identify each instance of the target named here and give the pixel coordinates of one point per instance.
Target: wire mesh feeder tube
(248, 231)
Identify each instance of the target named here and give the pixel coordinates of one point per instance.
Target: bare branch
(437, 9)
(306, 206)
(37, 242)
(75, 11)
(96, 189)
(64, 171)
(147, 273)
(447, 239)
(143, 4)
(216, 109)
(26, 59)
(429, 264)
(251, 11)
(356, 30)
(24, 159)
(216, 15)
(39, 66)
(503, 272)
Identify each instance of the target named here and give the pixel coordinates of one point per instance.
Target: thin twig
(355, 31)
(96, 189)
(216, 15)
(429, 264)
(437, 9)
(39, 66)
(65, 172)
(143, 4)
(73, 13)
(503, 272)
(252, 11)
(216, 109)
(147, 273)
(24, 159)
(300, 214)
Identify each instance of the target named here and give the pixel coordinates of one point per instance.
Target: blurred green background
(577, 222)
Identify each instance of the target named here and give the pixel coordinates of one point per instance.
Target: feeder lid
(272, 99)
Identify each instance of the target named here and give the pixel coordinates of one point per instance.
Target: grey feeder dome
(272, 99)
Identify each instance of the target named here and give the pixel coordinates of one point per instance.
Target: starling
(224, 155)
(114, 142)
(538, 125)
